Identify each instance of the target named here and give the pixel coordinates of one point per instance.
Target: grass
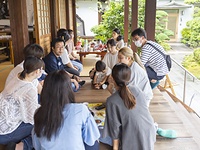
(191, 65)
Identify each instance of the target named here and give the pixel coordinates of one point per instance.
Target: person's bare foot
(19, 146)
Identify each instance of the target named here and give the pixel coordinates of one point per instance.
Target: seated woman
(60, 123)
(111, 57)
(128, 120)
(118, 38)
(18, 102)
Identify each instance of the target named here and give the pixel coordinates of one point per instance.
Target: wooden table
(8, 38)
(81, 54)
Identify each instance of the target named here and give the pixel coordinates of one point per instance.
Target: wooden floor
(165, 112)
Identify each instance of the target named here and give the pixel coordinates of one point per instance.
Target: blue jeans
(78, 65)
(93, 147)
(74, 87)
(21, 134)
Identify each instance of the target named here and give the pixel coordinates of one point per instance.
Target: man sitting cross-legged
(53, 62)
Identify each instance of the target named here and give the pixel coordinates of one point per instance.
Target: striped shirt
(154, 59)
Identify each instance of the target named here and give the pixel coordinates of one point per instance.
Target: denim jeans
(152, 74)
(21, 134)
(93, 147)
(78, 65)
(74, 87)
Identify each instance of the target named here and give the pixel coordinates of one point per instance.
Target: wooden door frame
(177, 20)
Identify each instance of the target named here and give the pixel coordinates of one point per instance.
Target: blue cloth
(21, 134)
(53, 63)
(78, 128)
(78, 65)
(152, 74)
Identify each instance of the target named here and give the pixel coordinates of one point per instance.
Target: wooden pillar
(134, 21)
(53, 17)
(74, 20)
(150, 18)
(126, 21)
(19, 28)
(67, 14)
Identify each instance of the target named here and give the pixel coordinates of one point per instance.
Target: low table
(101, 53)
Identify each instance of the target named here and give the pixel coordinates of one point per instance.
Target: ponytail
(127, 97)
(121, 74)
(22, 75)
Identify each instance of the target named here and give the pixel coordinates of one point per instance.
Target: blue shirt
(53, 63)
(78, 128)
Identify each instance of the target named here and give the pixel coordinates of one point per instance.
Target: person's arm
(115, 144)
(103, 81)
(39, 88)
(95, 79)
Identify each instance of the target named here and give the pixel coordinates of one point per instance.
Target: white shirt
(14, 73)
(102, 75)
(18, 102)
(110, 60)
(120, 44)
(65, 57)
(140, 79)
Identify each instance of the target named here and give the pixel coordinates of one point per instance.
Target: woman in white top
(18, 102)
(118, 38)
(139, 76)
(111, 57)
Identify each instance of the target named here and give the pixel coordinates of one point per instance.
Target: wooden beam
(126, 21)
(134, 21)
(150, 19)
(67, 14)
(74, 20)
(53, 16)
(19, 28)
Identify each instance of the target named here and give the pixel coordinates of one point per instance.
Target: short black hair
(56, 40)
(63, 33)
(140, 32)
(116, 30)
(100, 66)
(33, 50)
(111, 42)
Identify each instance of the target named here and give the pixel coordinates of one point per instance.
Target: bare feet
(19, 146)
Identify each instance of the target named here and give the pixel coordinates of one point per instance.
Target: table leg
(81, 57)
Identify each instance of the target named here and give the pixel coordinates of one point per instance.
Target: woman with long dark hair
(128, 120)
(60, 123)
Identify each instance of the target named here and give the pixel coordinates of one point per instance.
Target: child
(101, 75)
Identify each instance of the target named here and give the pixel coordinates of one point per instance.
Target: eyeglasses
(60, 47)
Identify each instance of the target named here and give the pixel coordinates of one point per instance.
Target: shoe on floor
(167, 133)
(82, 83)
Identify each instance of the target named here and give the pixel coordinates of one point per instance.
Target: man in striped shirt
(153, 60)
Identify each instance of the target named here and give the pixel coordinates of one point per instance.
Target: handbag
(166, 57)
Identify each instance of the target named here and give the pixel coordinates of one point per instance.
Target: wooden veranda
(167, 113)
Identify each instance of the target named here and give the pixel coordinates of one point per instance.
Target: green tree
(191, 34)
(113, 17)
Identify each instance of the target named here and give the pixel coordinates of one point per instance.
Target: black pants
(72, 71)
